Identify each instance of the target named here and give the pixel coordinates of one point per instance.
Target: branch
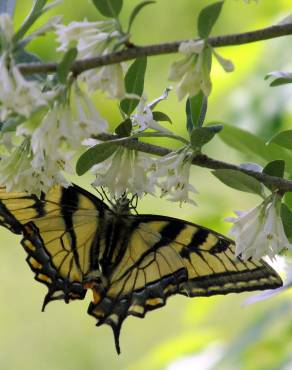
(202, 160)
(158, 49)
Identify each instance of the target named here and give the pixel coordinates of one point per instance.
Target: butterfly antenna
(134, 203)
(106, 196)
(100, 193)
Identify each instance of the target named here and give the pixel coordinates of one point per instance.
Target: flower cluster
(52, 142)
(95, 39)
(193, 71)
(129, 171)
(260, 231)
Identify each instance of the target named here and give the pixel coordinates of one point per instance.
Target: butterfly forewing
(132, 263)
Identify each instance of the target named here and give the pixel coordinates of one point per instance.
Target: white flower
(260, 232)
(108, 79)
(126, 171)
(17, 95)
(6, 25)
(193, 71)
(143, 118)
(21, 172)
(91, 38)
(174, 170)
(64, 125)
(95, 39)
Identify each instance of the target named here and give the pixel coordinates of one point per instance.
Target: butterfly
(131, 263)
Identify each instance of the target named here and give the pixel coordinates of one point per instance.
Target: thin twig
(202, 160)
(158, 49)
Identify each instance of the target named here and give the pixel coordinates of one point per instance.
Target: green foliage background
(252, 337)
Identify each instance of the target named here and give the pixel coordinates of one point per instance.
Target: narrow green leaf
(94, 155)
(124, 129)
(160, 116)
(283, 139)
(7, 6)
(207, 18)
(109, 8)
(134, 83)
(159, 134)
(255, 148)
(65, 65)
(189, 123)
(286, 216)
(11, 124)
(196, 109)
(281, 81)
(137, 9)
(202, 135)
(36, 11)
(275, 168)
(239, 181)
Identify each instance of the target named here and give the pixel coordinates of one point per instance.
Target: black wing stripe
(94, 250)
(69, 205)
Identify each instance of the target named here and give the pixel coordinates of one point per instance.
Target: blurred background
(199, 333)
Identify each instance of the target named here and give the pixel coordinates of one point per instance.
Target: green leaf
(124, 129)
(239, 181)
(255, 148)
(196, 109)
(36, 11)
(275, 168)
(281, 81)
(160, 116)
(134, 83)
(281, 78)
(65, 65)
(7, 6)
(207, 18)
(109, 8)
(288, 199)
(283, 139)
(94, 155)
(137, 9)
(286, 216)
(12, 123)
(22, 56)
(202, 135)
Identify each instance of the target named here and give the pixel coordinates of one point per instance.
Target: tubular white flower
(191, 71)
(21, 172)
(126, 171)
(64, 125)
(6, 25)
(174, 170)
(260, 232)
(109, 79)
(94, 39)
(91, 38)
(143, 118)
(17, 95)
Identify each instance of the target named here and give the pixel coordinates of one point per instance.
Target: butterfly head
(122, 205)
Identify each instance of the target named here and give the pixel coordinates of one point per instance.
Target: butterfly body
(131, 263)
